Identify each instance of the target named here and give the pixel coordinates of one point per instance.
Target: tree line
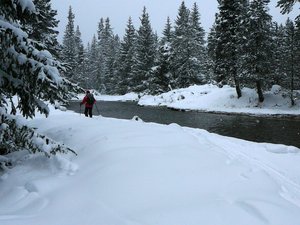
(245, 47)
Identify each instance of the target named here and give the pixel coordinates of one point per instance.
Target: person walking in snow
(89, 102)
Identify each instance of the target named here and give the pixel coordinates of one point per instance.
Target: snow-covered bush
(15, 137)
(276, 89)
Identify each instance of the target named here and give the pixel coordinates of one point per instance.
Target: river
(259, 129)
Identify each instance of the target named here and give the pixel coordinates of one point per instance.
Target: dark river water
(259, 129)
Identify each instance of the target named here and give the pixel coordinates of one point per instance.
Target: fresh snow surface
(129, 172)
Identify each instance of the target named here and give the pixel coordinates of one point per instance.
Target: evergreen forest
(245, 47)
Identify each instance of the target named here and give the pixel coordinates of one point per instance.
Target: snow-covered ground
(128, 172)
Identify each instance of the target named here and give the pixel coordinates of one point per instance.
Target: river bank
(210, 98)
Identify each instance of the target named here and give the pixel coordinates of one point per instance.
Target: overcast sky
(88, 13)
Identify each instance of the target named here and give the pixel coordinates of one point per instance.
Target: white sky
(89, 12)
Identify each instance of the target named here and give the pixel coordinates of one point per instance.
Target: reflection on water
(259, 129)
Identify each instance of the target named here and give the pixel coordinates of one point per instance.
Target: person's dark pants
(88, 112)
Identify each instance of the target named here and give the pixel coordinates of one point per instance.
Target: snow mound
(136, 118)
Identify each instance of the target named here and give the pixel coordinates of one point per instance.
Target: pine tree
(116, 65)
(290, 59)
(99, 77)
(91, 65)
(286, 7)
(259, 39)
(108, 51)
(278, 56)
(30, 73)
(79, 69)
(297, 53)
(42, 26)
(198, 50)
(86, 82)
(211, 51)
(168, 34)
(162, 78)
(126, 58)
(188, 59)
(144, 55)
(228, 34)
(69, 50)
(181, 48)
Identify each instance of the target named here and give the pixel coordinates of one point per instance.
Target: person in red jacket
(89, 102)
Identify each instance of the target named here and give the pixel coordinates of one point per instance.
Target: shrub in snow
(16, 137)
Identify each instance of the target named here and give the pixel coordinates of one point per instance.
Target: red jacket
(85, 101)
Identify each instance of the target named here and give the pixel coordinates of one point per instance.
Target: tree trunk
(238, 88)
(292, 99)
(292, 91)
(259, 91)
(292, 74)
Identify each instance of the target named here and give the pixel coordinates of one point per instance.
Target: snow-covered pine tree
(100, 29)
(99, 77)
(228, 34)
(198, 50)
(79, 47)
(144, 55)
(79, 70)
(85, 83)
(162, 79)
(30, 73)
(257, 62)
(188, 62)
(115, 64)
(224, 30)
(278, 57)
(211, 51)
(156, 40)
(91, 65)
(125, 59)
(297, 53)
(42, 26)
(181, 48)
(289, 58)
(242, 32)
(286, 7)
(168, 33)
(69, 50)
(109, 50)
